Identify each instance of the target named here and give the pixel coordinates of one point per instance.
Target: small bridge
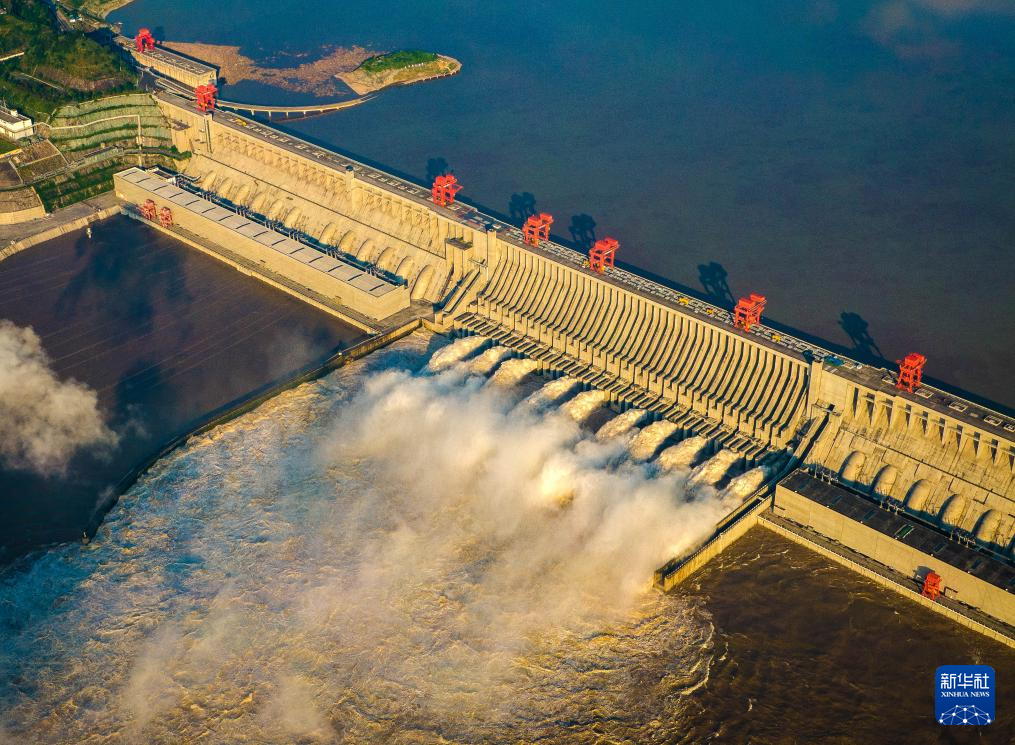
(301, 110)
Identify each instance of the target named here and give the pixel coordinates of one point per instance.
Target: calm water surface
(848, 157)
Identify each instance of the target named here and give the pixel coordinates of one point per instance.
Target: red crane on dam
(747, 313)
(932, 586)
(206, 95)
(537, 228)
(603, 254)
(444, 190)
(148, 211)
(166, 217)
(144, 41)
(910, 372)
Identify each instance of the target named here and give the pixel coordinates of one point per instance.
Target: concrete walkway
(62, 221)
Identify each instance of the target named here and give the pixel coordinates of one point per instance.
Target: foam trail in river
(379, 556)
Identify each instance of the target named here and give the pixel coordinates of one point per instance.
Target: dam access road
(289, 207)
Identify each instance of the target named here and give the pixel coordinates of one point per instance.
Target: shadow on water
(522, 206)
(583, 231)
(126, 294)
(436, 167)
(865, 349)
(715, 279)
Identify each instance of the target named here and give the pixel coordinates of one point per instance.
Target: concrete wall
(700, 366)
(898, 556)
(397, 232)
(955, 473)
(374, 306)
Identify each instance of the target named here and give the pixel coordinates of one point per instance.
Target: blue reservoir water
(851, 159)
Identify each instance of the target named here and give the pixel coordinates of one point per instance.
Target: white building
(13, 125)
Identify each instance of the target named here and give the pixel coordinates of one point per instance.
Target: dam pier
(905, 483)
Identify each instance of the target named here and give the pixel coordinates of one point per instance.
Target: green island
(399, 68)
(397, 60)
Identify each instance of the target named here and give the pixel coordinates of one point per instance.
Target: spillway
(712, 471)
(683, 454)
(486, 362)
(747, 483)
(455, 352)
(551, 393)
(648, 441)
(622, 424)
(584, 405)
(514, 371)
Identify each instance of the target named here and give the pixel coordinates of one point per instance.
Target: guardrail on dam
(943, 460)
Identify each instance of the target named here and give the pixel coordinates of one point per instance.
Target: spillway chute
(513, 371)
(648, 441)
(712, 470)
(551, 393)
(742, 486)
(488, 361)
(683, 454)
(622, 424)
(456, 351)
(584, 405)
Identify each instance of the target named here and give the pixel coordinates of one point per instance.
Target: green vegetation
(6, 145)
(397, 60)
(77, 186)
(57, 66)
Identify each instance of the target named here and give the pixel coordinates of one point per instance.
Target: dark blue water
(849, 157)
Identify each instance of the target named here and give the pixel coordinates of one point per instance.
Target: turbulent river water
(417, 550)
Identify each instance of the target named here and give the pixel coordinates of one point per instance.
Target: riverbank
(320, 77)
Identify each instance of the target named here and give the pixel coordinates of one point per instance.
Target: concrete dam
(934, 473)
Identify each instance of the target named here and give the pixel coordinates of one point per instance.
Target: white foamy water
(622, 424)
(683, 453)
(486, 362)
(455, 352)
(376, 557)
(651, 438)
(711, 471)
(584, 405)
(549, 394)
(512, 372)
(747, 483)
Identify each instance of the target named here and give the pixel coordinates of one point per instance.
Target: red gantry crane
(148, 211)
(537, 228)
(748, 311)
(603, 254)
(910, 372)
(166, 217)
(206, 95)
(444, 190)
(932, 586)
(144, 41)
